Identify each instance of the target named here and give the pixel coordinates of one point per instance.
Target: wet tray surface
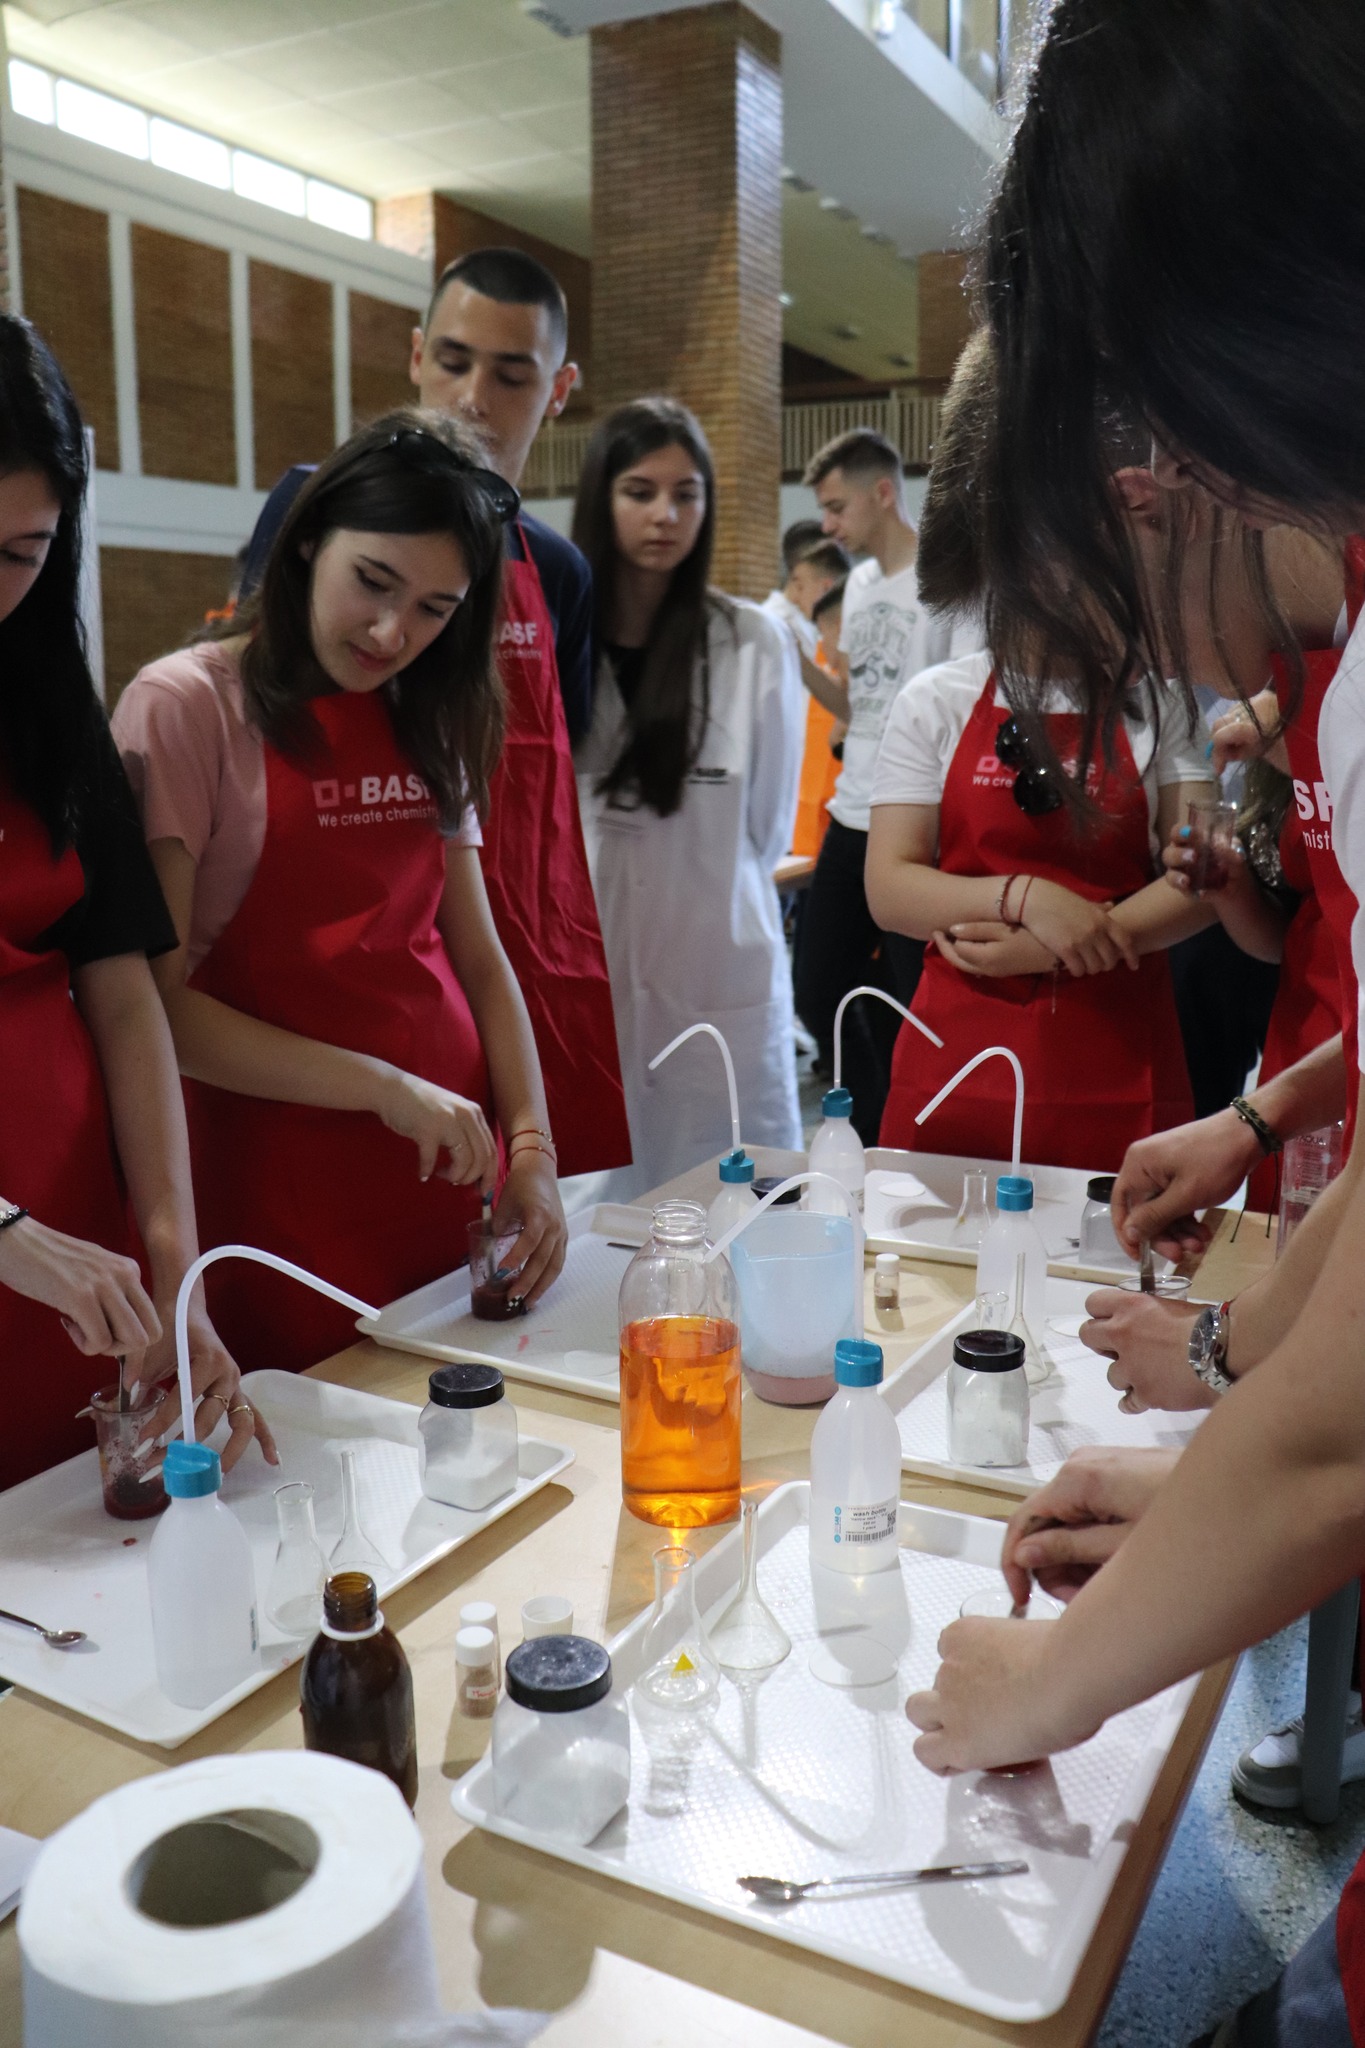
(794, 1778)
(569, 1339)
(1075, 1407)
(66, 1563)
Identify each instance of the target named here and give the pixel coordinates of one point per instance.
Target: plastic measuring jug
(799, 1275)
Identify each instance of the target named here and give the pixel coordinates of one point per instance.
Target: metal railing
(909, 419)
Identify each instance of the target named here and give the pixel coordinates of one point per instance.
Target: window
(190, 154)
(97, 118)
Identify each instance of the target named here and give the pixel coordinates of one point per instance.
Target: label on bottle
(479, 1692)
(876, 1523)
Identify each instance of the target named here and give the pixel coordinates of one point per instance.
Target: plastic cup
(546, 1614)
(996, 1603)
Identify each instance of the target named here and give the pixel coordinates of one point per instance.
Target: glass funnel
(1037, 1362)
(973, 1217)
(353, 1550)
(749, 1637)
(680, 1670)
(293, 1598)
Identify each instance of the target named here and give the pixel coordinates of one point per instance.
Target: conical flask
(973, 1217)
(353, 1550)
(293, 1599)
(749, 1638)
(680, 1670)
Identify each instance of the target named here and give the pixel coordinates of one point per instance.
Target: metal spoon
(1147, 1269)
(782, 1891)
(55, 1638)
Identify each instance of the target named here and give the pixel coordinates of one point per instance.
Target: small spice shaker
(483, 1614)
(886, 1281)
(988, 1399)
(476, 1678)
(467, 1437)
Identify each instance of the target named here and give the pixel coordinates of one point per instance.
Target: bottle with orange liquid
(680, 1381)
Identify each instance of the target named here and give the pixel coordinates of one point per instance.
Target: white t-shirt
(888, 636)
(1341, 750)
(930, 716)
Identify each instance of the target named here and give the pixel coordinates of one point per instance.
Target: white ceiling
(472, 97)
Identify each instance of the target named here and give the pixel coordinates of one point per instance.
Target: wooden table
(614, 1965)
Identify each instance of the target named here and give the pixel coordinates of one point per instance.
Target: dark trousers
(839, 948)
(1223, 997)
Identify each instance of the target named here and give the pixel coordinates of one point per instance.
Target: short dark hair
(861, 454)
(409, 472)
(512, 278)
(799, 536)
(827, 558)
(830, 601)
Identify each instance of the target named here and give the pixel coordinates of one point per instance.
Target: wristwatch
(1209, 1347)
(10, 1212)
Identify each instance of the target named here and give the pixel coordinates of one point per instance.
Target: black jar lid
(556, 1674)
(465, 1386)
(1101, 1188)
(988, 1351)
(774, 1180)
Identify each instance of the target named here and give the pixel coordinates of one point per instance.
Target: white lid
(474, 1646)
(888, 1262)
(479, 1614)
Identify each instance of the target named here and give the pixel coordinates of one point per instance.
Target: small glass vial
(561, 1740)
(886, 1281)
(988, 1399)
(476, 1673)
(467, 1449)
(356, 1688)
(483, 1614)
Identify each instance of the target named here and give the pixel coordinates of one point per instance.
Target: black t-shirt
(565, 579)
(122, 909)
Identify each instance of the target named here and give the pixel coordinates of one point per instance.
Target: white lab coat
(689, 910)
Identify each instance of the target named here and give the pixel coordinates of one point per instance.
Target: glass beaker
(973, 1217)
(130, 1470)
(1311, 1163)
(680, 1669)
(1212, 840)
(493, 1295)
(293, 1599)
(749, 1638)
(353, 1550)
(680, 1381)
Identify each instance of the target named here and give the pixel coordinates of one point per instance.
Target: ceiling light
(901, 362)
(191, 154)
(347, 212)
(785, 299)
(795, 181)
(536, 10)
(847, 332)
(837, 208)
(97, 118)
(255, 177)
(879, 236)
(884, 14)
(30, 91)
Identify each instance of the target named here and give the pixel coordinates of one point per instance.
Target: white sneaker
(1269, 1774)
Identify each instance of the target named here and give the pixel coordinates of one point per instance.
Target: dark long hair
(409, 472)
(50, 716)
(667, 714)
(1179, 231)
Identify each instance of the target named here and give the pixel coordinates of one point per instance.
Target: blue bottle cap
(191, 1471)
(1013, 1191)
(737, 1166)
(836, 1102)
(857, 1364)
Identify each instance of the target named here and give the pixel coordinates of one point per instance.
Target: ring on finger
(215, 1397)
(242, 1408)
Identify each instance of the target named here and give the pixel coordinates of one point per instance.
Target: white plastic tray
(911, 1199)
(1076, 1406)
(797, 1779)
(64, 1562)
(569, 1339)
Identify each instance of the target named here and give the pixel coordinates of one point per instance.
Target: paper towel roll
(271, 1899)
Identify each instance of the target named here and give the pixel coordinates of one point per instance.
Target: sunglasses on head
(504, 498)
(1034, 790)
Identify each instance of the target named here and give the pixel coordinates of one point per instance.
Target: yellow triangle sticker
(684, 1663)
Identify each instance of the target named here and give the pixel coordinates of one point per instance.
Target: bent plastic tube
(711, 1032)
(882, 996)
(992, 1052)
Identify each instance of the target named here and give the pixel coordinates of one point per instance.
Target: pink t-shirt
(198, 771)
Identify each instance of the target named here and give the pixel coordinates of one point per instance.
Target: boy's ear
(1139, 494)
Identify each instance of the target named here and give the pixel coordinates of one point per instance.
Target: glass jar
(988, 1399)
(561, 1740)
(1099, 1245)
(467, 1437)
(680, 1382)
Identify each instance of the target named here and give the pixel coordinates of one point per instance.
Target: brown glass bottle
(356, 1695)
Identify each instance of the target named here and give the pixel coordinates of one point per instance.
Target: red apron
(1102, 1055)
(536, 871)
(336, 939)
(56, 1146)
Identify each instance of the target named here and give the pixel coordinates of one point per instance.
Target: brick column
(687, 249)
(946, 316)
